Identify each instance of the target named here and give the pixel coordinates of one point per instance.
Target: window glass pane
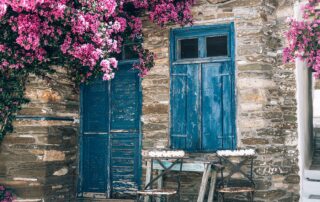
(217, 46)
(188, 48)
(129, 53)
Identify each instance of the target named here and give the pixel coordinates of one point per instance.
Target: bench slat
(190, 167)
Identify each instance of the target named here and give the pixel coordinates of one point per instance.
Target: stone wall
(38, 160)
(266, 105)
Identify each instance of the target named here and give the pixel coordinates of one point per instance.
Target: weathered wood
(203, 85)
(110, 134)
(204, 183)
(152, 192)
(236, 189)
(148, 178)
(160, 183)
(190, 167)
(212, 185)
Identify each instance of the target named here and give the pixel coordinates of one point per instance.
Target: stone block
(292, 179)
(255, 67)
(53, 155)
(17, 139)
(248, 83)
(60, 172)
(155, 109)
(247, 107)
(271, 195)
(252, 95)
(252, 123)
(255, 141)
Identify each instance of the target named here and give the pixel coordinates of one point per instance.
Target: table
(207, 168)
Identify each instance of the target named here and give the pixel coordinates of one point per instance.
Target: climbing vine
(82, 35)
(304, 37)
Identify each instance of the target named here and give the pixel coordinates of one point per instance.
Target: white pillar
(304, 109)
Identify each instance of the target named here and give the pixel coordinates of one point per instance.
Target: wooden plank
(190, 167)
(204, 183)
(95, 106)
(160, 184)
(228, 135)
(212, 185)
(211, 106)
(95, 164)
(148, 178)
(193, 107)
(124, 106)
(178, 107)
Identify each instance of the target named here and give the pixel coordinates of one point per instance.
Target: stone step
(311, 198)
(312, 174)
(311, 187)
(103, 200)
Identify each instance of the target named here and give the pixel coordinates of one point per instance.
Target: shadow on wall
(38, 159)
(316, 103)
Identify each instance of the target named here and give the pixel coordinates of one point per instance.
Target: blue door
(202, 88)
(110, 136)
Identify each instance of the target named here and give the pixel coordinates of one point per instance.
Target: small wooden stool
(160, 158)
(226, 185)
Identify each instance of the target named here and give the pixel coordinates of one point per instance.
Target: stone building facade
(265, 91)
(39, 159)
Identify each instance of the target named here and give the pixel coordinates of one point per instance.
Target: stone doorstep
(310, 198)
(314, 197)
(104, 200)
(79, 200)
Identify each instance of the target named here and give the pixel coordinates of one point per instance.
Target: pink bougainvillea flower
(82, 35)
(303, 38)
(3, 9)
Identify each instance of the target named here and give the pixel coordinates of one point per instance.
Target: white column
(304, 109)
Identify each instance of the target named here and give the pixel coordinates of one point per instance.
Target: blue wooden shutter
(185, 107)
(110, 135)
(124, 132)
(125, 99)
(217, 108)
(202, 121)
(94, 137)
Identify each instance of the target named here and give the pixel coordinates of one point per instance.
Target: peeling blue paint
(110, 136)
(202, 93)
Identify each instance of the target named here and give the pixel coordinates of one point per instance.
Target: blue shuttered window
(202, 89)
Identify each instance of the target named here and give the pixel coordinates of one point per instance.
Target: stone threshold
(104, 200)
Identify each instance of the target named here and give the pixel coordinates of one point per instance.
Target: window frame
(178, 49)
(202, 32)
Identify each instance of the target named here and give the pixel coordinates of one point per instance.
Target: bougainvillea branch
(82, 35)
(304, 37)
